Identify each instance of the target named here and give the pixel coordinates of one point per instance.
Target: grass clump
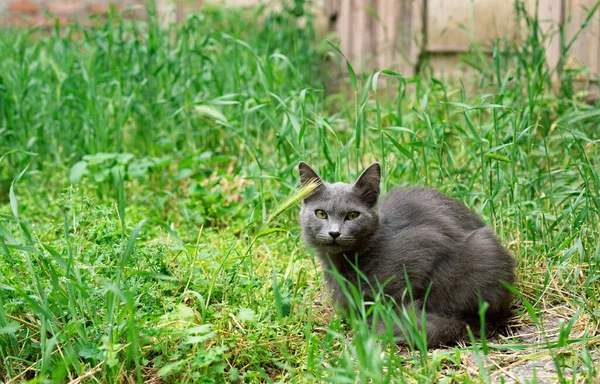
(141, 170)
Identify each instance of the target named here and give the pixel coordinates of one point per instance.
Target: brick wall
(46, 12)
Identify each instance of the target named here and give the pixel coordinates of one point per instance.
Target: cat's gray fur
(436, 238)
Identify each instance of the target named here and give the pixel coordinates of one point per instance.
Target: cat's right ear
(307, 174)
(368, 182)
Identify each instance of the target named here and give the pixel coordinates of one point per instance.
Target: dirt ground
(526, 362)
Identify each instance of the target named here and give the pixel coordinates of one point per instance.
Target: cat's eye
(352, 216)
(320, 214)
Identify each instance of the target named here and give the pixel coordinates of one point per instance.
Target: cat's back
(403, 207)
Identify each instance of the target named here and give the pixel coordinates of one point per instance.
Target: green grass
(148, 217)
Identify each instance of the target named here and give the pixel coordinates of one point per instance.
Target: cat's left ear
(368, 182)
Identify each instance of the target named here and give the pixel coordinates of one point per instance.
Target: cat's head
(340, 217)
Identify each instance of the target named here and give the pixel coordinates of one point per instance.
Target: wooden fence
(395, 34)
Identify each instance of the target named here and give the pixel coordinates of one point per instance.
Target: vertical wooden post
(359, 33)
(345, 27)
(410, 34)
(550, 17)
(379, 34)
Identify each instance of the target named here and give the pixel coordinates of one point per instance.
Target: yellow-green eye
(352, 216)
(320, 214)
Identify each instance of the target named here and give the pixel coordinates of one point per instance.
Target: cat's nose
(334, 234)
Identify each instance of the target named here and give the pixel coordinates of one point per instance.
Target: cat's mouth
(336, 243)
(330, 243)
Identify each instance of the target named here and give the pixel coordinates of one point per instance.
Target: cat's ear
(307, 174)
(367, 184)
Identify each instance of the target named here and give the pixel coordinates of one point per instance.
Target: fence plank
(410, 34)
(550, 15)
(453, 25)
(401, 34)
(586, 49)
(359, 33)
(379, 33)
(383, 35)
(344, 27)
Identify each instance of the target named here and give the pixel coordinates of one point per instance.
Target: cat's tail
(443, 330)
(439, 330)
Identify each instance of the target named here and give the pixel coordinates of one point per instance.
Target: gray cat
(436, 239)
